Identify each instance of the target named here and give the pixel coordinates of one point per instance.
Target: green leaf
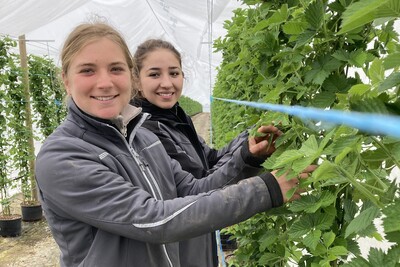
(376, 72)
(358, 262)
(324, 99)
(356, 58)
(391, 221)
(294, 27)
(342, 155)
(305, 37)
(299, 165)
(315, 14)
(311, 204)
(328, 238)
(305, 223)
(310, 146)
(300, 227)
(376, 257)
(391, 9)
(267, 239)
(338, 251)
(321, 69)
(362, 221)
(325, 171)
(369, 105)
(344, 142)
(391, 61)
(350, 209)
(287, 157)
(360, 13)
(359, 89)
(391, 81)
(261, 25)
(312, 239)
(267, 258)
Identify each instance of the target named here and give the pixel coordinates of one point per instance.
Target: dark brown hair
(149, 46)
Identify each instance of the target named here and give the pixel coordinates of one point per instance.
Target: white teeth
(165, 94)
(103, 98)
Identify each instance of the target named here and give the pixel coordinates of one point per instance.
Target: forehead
(161, 56)
(100, 49)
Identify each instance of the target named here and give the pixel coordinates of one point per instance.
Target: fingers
(269, 129)
(294, 182)
(264, 145)
(307, 171)
(310, 168)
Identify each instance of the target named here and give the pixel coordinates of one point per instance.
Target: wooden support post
(28, 122)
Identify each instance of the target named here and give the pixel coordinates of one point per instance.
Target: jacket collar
(121, 122)
(173, 115)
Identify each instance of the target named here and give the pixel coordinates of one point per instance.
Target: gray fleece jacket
(113, 197)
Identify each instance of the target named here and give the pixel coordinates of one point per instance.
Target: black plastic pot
(31, 212)
(10, 226)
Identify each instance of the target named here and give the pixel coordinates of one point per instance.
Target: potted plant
(10, 224)
(31, 209)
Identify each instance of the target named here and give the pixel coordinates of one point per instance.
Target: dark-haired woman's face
(161, 78)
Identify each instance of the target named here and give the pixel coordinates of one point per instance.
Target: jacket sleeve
(77, 186)
(234, 164)
(217, 158)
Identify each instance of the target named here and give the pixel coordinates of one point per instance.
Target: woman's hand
(264, 145)
(287, 185)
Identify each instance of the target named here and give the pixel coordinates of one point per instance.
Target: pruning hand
(286, 185)
(263, 144)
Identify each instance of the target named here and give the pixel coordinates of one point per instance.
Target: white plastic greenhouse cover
(188, 24)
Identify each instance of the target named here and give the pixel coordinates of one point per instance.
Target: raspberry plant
(339, 54)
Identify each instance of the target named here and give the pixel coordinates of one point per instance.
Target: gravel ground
(36, 246)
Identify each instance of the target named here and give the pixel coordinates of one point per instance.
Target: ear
(66, 83)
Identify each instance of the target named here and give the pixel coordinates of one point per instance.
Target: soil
(35, 247)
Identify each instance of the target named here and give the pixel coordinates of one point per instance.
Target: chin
(166, 106)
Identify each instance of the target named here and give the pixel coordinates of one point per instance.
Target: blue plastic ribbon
(377, 124)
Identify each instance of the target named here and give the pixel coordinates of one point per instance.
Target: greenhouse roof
(189, 25)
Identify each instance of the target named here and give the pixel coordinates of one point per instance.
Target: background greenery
(190, 106)
(45, 101)
(337, 54)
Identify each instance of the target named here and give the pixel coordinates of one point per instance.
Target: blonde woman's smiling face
(161, 78)
(99, 79)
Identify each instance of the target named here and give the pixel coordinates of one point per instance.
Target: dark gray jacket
(178, 135)
(115, 198)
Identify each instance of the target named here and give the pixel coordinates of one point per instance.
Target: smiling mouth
(104, 98)
(165, 94)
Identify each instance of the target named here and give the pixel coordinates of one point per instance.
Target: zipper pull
(124, 131)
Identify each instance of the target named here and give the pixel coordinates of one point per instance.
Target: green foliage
(46, 99)
(47, 93)
(190, 106)
(5, 181)
(337, 54)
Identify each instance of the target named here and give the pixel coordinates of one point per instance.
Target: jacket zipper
(145, 169)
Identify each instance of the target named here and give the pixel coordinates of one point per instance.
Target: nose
(104, 79)
(166, 81)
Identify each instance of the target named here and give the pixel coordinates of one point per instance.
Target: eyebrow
(93, 64)
(157, 68)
